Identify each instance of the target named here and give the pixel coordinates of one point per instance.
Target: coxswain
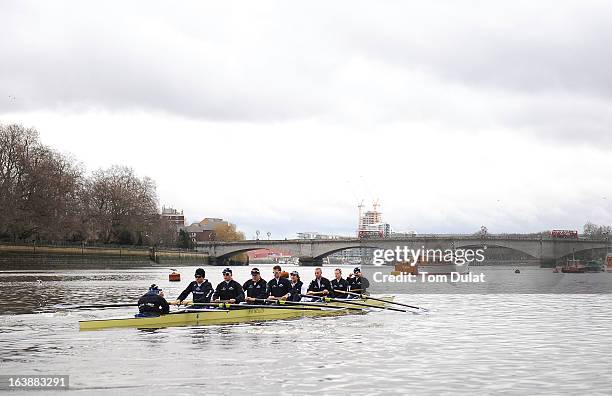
(297, 287)
(153, 303)
(278, 287)
(201, 289)
(339, 283)
(357, 283)
(229, 290)
(319, 286)
(255, 288)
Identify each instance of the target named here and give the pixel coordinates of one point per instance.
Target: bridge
(312, 251)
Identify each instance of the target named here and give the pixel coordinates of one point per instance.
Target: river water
(467, 343)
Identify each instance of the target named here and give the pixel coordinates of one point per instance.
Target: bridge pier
(224, 261)
(547, 262)
(311, 261)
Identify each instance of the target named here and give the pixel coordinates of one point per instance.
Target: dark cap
(154, 288)
(357, 269)
(201, 272)
(227, 271)
(254, 271)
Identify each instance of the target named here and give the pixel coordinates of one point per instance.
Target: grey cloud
(522, 46)
(472, 64)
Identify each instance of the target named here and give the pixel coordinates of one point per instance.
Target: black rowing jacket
(279, 287)
(256, 290)
(228, 290)
(341, 284)
(295, 292)
(153, 303)
(360, 284)
(201, 293)
(320, 285)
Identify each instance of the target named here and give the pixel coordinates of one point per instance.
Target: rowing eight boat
(189, 317)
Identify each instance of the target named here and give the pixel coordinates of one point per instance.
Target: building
(204, 231)
(371, 225)
(173, 216)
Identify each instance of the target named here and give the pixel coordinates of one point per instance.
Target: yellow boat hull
(221, 316)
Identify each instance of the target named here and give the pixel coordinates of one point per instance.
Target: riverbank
(35, 256)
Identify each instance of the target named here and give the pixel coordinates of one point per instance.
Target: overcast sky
(283, 116)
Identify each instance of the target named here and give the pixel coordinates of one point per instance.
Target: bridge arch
(339, 249)
(487, 246)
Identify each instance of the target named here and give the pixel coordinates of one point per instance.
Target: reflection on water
(472, 344)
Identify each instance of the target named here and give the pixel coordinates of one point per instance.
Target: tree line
(47, 195)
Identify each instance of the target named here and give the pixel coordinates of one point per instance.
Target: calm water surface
(470, 344)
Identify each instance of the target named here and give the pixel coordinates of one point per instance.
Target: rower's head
(255, 274)
(277, 271)
(227, 274)
(338, 273)
(295, 276)
(199, 275)
(318, 273)
(154, 289)
(357, 272)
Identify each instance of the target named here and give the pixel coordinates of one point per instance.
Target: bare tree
(594, 231)
(122, 207)
(45, 195)
(39, 187)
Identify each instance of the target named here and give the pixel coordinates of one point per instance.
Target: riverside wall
(49, 257)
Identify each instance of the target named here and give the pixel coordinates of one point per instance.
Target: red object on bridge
(564, 234)
(174, 277)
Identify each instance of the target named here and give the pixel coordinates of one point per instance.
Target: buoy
(174, 276)
(284, 274)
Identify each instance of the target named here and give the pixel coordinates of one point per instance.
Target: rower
(339, 283)
(229, 290)
(201, 289)
(255, 288)
(153, 303)
(357, 283)
(278, 287)
(297, 287)
(319, 285)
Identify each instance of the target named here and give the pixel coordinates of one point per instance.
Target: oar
(380, 299)
(328, 299)
(305, 304)
(189, 302)
(99, 306)
(247, 306)
(316, 293)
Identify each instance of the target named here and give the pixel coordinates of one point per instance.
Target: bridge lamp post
(257, 233)
(607, 234)
(268, 233)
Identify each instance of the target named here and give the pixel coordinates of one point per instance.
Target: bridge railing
(421, 237)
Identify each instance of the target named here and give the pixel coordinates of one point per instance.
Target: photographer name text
(453, 277)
